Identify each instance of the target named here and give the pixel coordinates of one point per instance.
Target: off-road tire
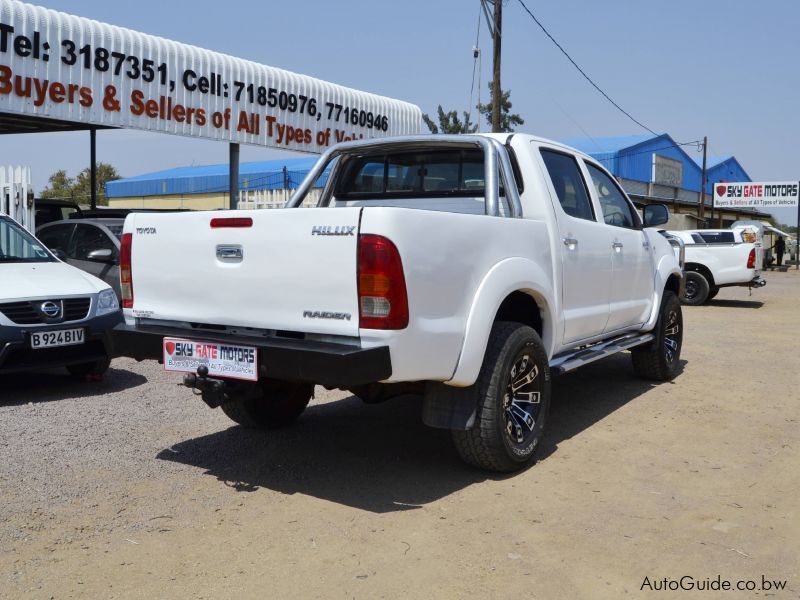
(696, 289)
(489, 444)
(659, 360)
(98, 367)
(279, 404)
(712, 293)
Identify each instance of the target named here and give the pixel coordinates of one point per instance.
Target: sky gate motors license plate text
(222, 360)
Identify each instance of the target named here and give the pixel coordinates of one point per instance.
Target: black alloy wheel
(522, 402)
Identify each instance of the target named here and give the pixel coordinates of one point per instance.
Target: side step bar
(564, 363)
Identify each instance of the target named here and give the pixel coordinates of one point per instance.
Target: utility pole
(701, 209)
(496, 89)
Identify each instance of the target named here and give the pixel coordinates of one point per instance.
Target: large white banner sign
(70, 68)
(774, 194)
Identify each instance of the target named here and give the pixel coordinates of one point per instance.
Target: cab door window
(568, 184)
(616, 209)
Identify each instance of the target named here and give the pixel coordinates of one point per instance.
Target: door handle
(570, 243)
(617, 246)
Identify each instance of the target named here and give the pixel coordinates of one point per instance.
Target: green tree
(59, 186)
(449, 122)
(80, 189)
(83, 183)
(507, 120)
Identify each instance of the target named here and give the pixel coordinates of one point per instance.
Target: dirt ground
(132, 488)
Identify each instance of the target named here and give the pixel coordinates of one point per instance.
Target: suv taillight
(125, 273)
(382, 297)
(751, 259)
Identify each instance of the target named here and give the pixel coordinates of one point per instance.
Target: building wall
(174, 201)
(248, 199)
(728, 170)
(636, 162)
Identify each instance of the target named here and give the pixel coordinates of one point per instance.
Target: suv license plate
(52, 339)
(223, 360)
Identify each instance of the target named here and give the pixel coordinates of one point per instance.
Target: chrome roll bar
(496, 165)
(678, 243)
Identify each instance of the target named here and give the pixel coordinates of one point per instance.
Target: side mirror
(102, 255)
(655, 214)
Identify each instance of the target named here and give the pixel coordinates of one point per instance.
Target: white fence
(16, 195)
(257, 199)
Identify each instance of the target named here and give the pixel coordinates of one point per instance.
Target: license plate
(222, 360)
(52, 339)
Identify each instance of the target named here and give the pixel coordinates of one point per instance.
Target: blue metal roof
(261, 175)
(711, 161)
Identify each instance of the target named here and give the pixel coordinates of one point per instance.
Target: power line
(582, 72)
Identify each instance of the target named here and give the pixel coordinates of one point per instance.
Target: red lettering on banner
(43, 89)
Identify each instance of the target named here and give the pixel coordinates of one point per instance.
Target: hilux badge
(333, 230)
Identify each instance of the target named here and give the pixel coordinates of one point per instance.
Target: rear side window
(56, 237)
(441, 172)
(568, 184)
(87, 239)
(718, 237)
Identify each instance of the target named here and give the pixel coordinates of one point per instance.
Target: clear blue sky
(723, 68)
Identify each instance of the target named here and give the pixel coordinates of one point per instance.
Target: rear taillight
(751, 259)
(125, 273)
(382, 298)
(221, 222)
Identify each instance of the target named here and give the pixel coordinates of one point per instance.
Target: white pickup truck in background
(467, 269)
(717, 258)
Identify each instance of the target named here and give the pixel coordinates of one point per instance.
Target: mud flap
(448, 407)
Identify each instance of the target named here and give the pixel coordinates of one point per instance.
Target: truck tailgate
(291, 270)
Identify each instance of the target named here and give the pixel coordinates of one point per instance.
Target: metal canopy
(13, 123)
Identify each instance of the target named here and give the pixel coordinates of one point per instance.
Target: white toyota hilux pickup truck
(467, 269)
(717, 258)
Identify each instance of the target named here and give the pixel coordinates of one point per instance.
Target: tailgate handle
(230, 252)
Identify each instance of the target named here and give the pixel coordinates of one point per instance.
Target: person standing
(780, 248)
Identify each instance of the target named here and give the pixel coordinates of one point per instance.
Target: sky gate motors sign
(776, 194)
(74, 69)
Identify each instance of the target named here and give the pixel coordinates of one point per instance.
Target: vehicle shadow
(736, 303)
(56, 384)
(381, 458)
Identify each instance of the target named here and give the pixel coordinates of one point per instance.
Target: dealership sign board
(59, 66)
(774, 194)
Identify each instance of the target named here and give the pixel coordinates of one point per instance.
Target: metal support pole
(712, 203)
(93, 167)
(497, 91)
(701, 210)
(233, 175)
(285, 184)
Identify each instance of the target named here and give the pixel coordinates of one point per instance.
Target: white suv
(51, 314)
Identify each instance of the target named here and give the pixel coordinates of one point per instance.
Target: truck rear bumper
(324, 363)
(755, 282)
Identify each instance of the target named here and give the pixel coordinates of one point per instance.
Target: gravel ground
(132, 487)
